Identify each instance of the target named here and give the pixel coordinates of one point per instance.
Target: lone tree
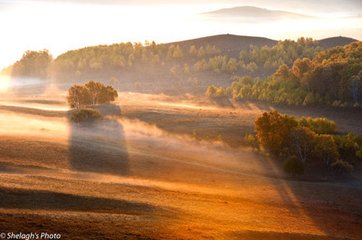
(90, 94)
(78, 96)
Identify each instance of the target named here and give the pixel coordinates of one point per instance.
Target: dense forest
(332, 76)
(182, 67)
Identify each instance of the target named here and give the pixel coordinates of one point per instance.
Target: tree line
(183, 61)
(332, 77)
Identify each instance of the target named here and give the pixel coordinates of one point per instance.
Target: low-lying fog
(135, 140)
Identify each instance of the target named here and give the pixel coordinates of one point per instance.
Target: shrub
(341, 167)
(251, 140)
(319, 125)
(216, 92)
(307, 142)
(78, 96)
(349, 147)
(211, 91)
(85, 115)
(293, 166)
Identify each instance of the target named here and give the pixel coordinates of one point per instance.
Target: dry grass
(161, 184)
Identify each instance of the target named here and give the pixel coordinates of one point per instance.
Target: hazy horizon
(64, 25)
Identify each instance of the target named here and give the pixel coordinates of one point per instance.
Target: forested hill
(227, 43)
(331, 77)
(174, 68)
(233, 44)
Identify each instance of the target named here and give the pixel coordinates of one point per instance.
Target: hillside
(231, 43)
(332, 77)
(174, 68)
(335, 41)
(146, 176)
(227, 43)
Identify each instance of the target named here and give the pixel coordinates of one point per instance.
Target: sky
(61, 25)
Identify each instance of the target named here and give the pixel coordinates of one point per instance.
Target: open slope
(335, 41)
(127, 179)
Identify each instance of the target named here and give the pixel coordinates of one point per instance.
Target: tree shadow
(333, 206)
(222, 102)
(47, 200)
(77, 216)
(269, 235)
(99, 146)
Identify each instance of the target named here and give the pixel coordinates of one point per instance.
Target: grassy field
(167, 169)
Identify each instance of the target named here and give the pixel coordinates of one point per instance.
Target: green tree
(177, 52)
(283, 73)
(301, 143)
(273, 131)
(78, 97)
(92, 93)
(325, 151)
(94, 89)
(301, 68)
(319, 125)
(33, 64)
(193, 51)
(211, 91)
(107, 94)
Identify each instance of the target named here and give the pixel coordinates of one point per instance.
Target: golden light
(93, 24)
(4, 83)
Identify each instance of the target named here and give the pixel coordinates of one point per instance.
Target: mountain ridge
(233, 44)
(255, 13)
(331, 42)
(227, 42)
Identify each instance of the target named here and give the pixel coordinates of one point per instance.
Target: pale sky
(63, 25)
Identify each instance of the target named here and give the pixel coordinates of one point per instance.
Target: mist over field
(181, 119)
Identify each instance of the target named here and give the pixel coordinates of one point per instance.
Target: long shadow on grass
(103, 218)
(267, 235)
(333, 207)
(48, 200)
(99, 146)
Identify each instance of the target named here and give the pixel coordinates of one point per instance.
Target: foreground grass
(174, 187)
